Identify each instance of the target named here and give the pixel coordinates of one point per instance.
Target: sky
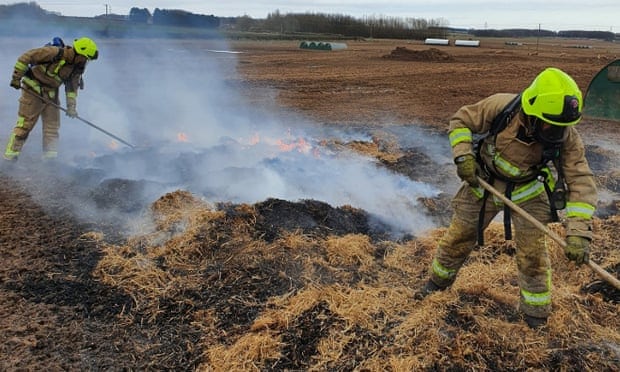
(599, 15)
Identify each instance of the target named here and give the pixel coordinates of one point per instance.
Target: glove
(71, 108)
(577, 249)
(467, 169)
(16, 79)
(16, 83)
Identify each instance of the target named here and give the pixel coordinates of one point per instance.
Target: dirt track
(270, 286)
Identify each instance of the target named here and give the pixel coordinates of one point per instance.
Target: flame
(113, 145)
(254, 139)
(286, 144)
(301, 145)
(283, 146)
(182, 137)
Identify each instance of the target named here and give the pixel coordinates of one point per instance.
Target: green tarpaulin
(603, 95)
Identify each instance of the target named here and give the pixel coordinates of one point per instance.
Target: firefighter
(539, 132)
(39, 73)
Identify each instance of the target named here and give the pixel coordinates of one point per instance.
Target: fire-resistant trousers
(31, 107)
(534, 273)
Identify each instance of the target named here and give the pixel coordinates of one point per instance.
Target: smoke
(181, 103)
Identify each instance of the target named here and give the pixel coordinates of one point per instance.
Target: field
(105, 270)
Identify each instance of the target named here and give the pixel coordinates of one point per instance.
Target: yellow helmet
(553, 97)
(86, 47)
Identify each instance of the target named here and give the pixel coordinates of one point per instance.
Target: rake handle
(79, 118)
(558, 239)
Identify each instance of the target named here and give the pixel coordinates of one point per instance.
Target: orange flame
(287, 144)
(113, 145)
(254, 139)
(301, 145)
(182, 137)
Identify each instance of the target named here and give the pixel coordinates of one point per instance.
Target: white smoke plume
(180, 103)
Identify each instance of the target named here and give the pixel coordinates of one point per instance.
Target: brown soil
(358, 85)
(283, 285)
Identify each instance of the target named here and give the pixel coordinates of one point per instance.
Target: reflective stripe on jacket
(523, 192)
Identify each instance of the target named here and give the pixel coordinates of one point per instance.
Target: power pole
(106, 9)
(537, 38)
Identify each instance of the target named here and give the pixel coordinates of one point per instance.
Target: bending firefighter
(39, 73)
(522, 136)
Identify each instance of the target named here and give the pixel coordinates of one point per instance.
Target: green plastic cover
(603, 95)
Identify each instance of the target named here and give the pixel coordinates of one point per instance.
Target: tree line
(377, 27)
(173, 17)
(319, 23)
(580, 34)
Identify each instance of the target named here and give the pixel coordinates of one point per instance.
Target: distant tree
(514, 32)
(379, 27)
(24, 10)
(182, 18)
(601, 35)
(139, 15)
(245, 23)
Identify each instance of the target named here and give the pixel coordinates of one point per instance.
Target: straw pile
(307, 300)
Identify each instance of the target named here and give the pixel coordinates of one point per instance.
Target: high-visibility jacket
(514, 155)
(49, 67)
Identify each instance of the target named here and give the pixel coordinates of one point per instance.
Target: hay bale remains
(428, 55)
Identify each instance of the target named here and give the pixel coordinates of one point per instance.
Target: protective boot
(534, 322)
(49, 156)
(9, 159)
(428, 288)
(14, 145)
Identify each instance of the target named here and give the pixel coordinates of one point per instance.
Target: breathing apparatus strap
(557, 196)
(485, 197)
(507, 213)
(554, 210)
(480, 231)
(59, 55)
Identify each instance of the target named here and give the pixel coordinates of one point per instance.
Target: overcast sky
(601, 15)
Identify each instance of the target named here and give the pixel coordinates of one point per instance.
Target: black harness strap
(480, 231)
(501, 121)
(507, 212)
(61, 52)
(554, 210)
(557, 196)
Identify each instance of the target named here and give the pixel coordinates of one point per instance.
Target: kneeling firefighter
(39, 73)
(521, 136)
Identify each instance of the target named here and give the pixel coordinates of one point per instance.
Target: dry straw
(346, 302)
